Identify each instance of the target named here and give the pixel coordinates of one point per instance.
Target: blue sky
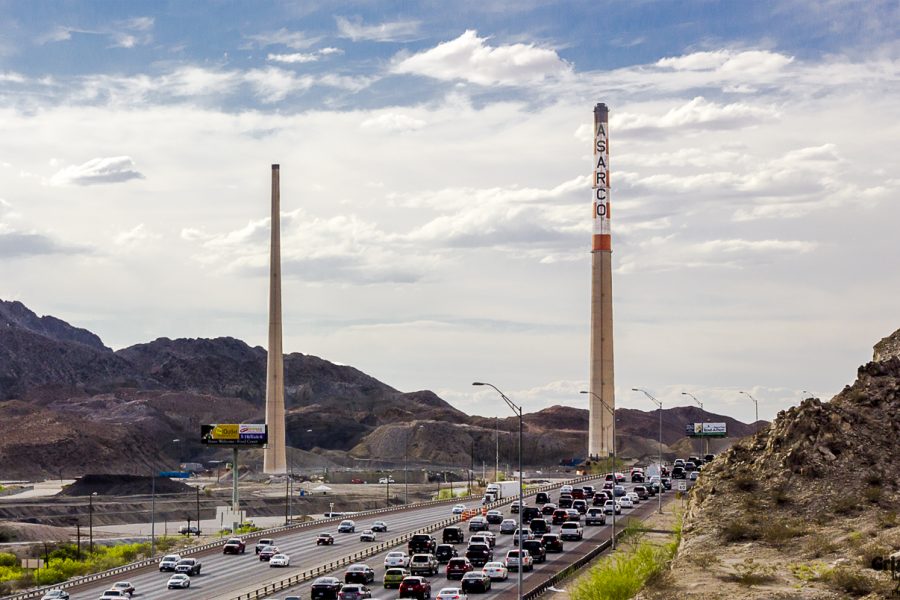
(435, 162)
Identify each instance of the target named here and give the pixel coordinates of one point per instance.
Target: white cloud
(469, 58)
(297, 40)
(273, 84)
(12, 77)
(383, 32)
(294, 58)
(696, 112)
(748, 62)
(137, 234)
(391, 121)
(113, 169)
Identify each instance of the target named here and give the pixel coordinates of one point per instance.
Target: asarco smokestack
(274, 456)
(600, 428)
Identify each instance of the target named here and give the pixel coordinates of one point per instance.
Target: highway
(226, 576)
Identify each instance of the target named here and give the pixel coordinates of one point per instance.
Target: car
(453, 535)
(359, 573)
(541, 498)
(444, 552)
(667, 483)
(626, 502)
(478, 524)
(601, 497)
(386, 480)
(588, 491)
(415, 587)
(423, 564)
(475, 581)
(234, 546)
(608, 485)
(178, 580)
(516, 505)
(708, 458)
(508, 526)
(637, 477)
(324, 539)
(421, 543)
(394, 576)
(560, 515)
(451, 594)
(168, 562)
(262, 543)
(354, 591)
(326, 588)
(356, 480)
(580, 506)
(529, 513)
(280, 560)
(188, 566)
(347, 526)
(485, 537)
(619, 490)
(595, 516)
(367, 536)
(539, 526)
(690, 466)
(56, 595)
(678, 473)
(536, 550)
(496, 571)
(694, 475)
(125, 586)
(268, 552)
(578, 494)
(527, 534)
(612, 505)
(573, 515)
(458, 509)
(566, 489)
(641, 491)
(552, 542)
(635, 499)
(494, 517)
(548, 509)
(192, 530)
(457, 567)
(479, 554)
(379, 526)
(114, 595)
(679, 462)
(564, 501)
(571, 531)
(514, 557)
(396, 558)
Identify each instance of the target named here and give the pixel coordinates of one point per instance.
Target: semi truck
(501, 489)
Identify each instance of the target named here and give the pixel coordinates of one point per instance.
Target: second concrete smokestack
(275, 454)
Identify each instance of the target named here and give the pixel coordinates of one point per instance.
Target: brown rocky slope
(801, 509)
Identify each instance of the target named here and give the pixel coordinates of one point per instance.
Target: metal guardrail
(38, 592)
(305, 576)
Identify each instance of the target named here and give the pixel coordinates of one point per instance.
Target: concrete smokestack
(600, 442)
(274, 456)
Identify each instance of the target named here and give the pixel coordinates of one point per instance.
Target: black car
(580, 505)
(667, 483)
(539, 526)
(326, 588)
(478, 524)
(548, 509)
(536, 549)
(678, 473)
(479, 554)
(422, 543)
(542, 498)
(451, 535)
(565, 501)
(494, 517)
(475, 581)
(637, 477)
(359, 573)
(552, 542)
(445, 552)
(529, 513)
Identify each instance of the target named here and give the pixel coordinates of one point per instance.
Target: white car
(396, 559)
(280, 560)
(179, 580)
(496, 571)
(451, 594)
(168, 562)
(386, 480)
(608, 507)
(367, 536)
(509, 526)
(125, 586)
(56, 595)
(625, 502)
(114, 595)
(635, 499)
(512, 560)
(459, 509)
(566, 489)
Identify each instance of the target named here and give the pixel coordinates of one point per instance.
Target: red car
(268, 552)
(415, 587)
(234, 546)
(457, 567)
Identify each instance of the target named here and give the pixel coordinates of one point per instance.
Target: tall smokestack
(274, 457)
(600, 442)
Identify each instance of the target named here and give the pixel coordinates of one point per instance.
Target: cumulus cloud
(748, 62)
(297, 40)
(292, 59)
(393, 31)
(697, 113)
(112, 169)
(470, 58)
(392, 122)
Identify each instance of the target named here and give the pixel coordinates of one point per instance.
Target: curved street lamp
(518, 411)
(702, 434)
(659, 404)
(615, 459)
(755, 403)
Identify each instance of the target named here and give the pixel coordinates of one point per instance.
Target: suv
(394, 576)
(168, 562)
(571, 531)
(541, 498)
(347, 526)
(678, 472)
(559, 516)
(445, 552)
(326, 588)
(536, 550)
(565, 501)
(188, 566)
(262, 543)
(512, 560)
(324, 539)
(415, 587)
(539, 526)
(234, 546)
(457, 567)
(580, 505)
(529, 513)
(482, 538)
(595, 516)
(421, 543)
(423, 564)
(641, 491)
(479, 554)
(551, 542)
(453, 535)
(578, 494)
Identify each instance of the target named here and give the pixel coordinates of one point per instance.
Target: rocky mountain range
(71, 405)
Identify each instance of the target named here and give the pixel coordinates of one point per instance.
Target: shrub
(751, 573)
(777, 532)
(849, 581)
(887, 520)
(8, 559)
(808, 572)
(745, 483)
(845, 505)
(738, 531)
(820, 545)
(622, 575)
(873, 494)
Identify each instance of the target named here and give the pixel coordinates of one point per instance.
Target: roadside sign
(682, 486)
(32, 563)
(175, 474)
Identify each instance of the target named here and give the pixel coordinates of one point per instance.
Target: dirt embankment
(801, 509)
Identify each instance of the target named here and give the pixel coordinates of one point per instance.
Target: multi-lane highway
(226, 576)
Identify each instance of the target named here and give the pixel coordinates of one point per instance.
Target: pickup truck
(262, 543)
(421, 543)
(188, 566)
(423, 564)
(234, 546)
(571, 531)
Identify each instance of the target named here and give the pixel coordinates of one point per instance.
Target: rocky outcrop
(888, 347)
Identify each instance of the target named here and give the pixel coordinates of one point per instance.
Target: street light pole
(91, 522)
(612, 412)
(755, 403)
(518, 411)
(702, 433)
(659, 465)
(497, 435)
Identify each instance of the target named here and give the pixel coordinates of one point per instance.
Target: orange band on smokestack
(601, 242)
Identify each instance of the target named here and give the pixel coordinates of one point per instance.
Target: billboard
(234, 434)
(706, 430)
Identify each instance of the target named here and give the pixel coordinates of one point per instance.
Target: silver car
(508, 526)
